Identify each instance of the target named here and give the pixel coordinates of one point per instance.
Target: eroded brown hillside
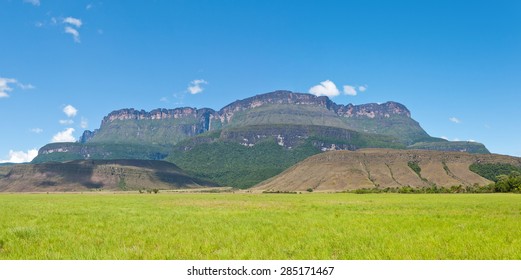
(369, 168)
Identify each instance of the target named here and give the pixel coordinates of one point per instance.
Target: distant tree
(508, 183)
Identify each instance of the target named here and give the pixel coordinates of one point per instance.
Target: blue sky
(65, 64)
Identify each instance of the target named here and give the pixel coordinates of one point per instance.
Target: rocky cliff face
(288, 118)
(202, 120)
(158, 114)
(372, 110)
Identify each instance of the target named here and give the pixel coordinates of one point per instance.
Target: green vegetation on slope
(456, 146)
(154, 132)
(229, 163)
(290, 114)
(241, 226)
(491, 171)
(78, 151)
(232, 164)
(400, 127)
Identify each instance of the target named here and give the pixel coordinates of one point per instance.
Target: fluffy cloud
(362, 88)
(64, 136)
(75, 34)
(36, 130)
(350, 90)
(455, 120)
(195, 86)
(325, 88)
(5, 88)
(73, 21)
(66, 122)
(70, 111)
(21, 156)
(34, 2)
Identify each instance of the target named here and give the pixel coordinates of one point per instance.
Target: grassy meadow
(260, 226)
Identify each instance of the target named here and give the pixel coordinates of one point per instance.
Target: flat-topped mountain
(266, 133)
(279, 107)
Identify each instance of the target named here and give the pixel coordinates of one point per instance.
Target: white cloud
(455, 120)
(21, 156)
(73, 21)
(84, 123)
(64, 136)
(163, 99)
(66, 122)
(25, 86)
(349, 90)
(75, 34)
(89, 6)
(362, 88)
(34, 2)
(195, 86)
(5, 88)
(445, 137)
(70, 111)
(325, 88)
(37, 130)
(471, 140)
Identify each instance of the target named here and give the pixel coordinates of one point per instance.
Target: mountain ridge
(267, 132)
(207, 119)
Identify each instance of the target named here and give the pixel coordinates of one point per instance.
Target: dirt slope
(368, 168)
(95, 174)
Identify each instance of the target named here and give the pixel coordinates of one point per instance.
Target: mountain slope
(370, 168)
(156, 131)
(95, 174)
(289, 127)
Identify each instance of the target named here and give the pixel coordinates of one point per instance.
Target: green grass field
(260, 226)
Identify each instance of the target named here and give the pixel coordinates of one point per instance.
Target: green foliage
(122, 184)
(309, 190)
(456, 146)
(509, 183)
(491, 171)
(415, 167)
(232, 164)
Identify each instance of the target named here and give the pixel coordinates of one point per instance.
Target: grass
(260, 226)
